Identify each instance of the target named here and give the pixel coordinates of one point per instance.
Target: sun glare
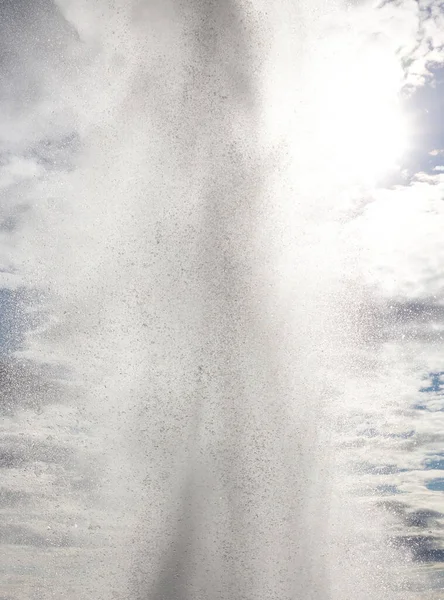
(361, 128)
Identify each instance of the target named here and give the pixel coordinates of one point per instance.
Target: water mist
(199, 304)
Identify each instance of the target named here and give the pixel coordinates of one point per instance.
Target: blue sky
(426, 107)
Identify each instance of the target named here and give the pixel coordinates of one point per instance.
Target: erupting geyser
(188, 238)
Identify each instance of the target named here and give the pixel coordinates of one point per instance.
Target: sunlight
(361, 131)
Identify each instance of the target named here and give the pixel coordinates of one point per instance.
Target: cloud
(411, 30)
(13, 498)
(392, 434)
(401, 240)
(14, 452)
(26, 536)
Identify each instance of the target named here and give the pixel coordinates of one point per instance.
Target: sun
(361, 132)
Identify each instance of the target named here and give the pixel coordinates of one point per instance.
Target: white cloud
(410, 29)
(401, 257)
(401, 237)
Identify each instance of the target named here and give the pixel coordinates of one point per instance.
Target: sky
(225, 209)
